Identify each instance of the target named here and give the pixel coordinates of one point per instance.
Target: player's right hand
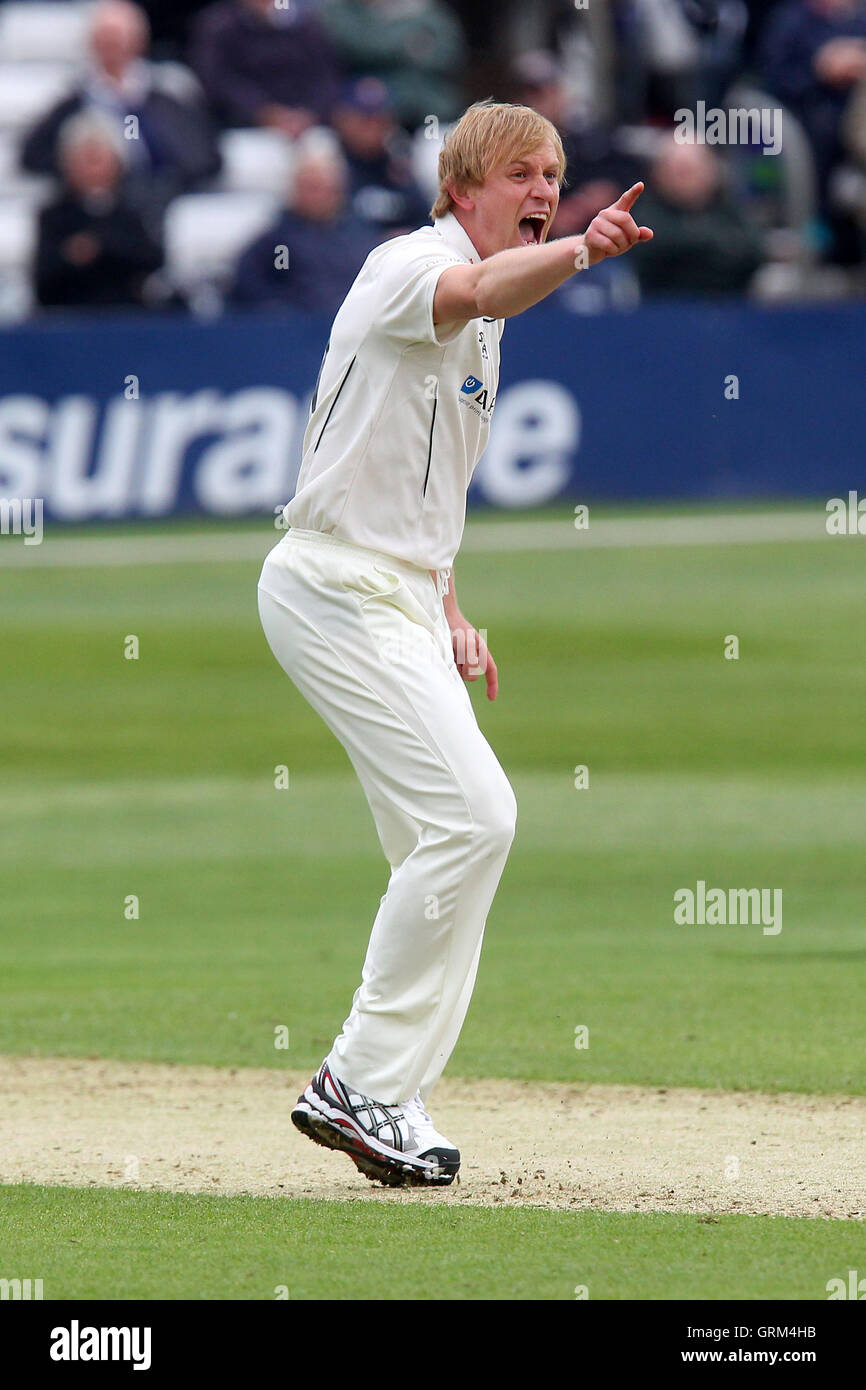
(472, 655)
(614, 230)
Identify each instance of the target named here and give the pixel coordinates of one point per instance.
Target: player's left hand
(471, 655)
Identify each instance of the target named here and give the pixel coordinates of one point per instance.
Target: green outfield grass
(103, 1244)
(155, 777)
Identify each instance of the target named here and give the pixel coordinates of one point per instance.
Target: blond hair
(490, 133)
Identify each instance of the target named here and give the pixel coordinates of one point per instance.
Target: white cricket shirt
(401, 413)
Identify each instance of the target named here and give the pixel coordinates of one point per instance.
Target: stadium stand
(623, 67)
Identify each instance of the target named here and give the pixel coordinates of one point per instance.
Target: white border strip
(490, 537)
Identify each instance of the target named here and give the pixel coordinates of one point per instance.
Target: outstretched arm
(511, 281)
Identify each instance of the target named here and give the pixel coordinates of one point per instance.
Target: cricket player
(359, 605)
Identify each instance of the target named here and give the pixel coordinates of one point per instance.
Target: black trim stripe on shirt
(319, 377)
(430, 447)
(333, 403)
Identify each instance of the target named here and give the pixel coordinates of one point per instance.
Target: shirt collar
(456, 235)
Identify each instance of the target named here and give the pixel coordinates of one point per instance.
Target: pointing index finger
(627, 200)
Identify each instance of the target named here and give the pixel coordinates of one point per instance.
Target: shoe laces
(414, 1110)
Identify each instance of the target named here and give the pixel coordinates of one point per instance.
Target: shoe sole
(394, 1171)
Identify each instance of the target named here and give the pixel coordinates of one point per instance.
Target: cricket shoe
(430, 1144)
(378, 1138)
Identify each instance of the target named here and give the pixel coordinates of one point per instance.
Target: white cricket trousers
(364, 638)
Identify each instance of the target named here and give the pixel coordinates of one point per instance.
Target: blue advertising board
(116, 417)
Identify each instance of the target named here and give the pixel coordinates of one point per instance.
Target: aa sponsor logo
(732, 907)
(476, 395)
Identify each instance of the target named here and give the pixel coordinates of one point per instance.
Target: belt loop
(442, 584)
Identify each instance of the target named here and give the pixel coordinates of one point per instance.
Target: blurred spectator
(310, 256)
(265, 65)
(702, 244)
(612, 287)
(169, 24)
(382, 187)
(676, 52)
(812, 58)
(854, 125)
(416, 47)
(597, 171)
(759, 15)
(93, 248)
(167, 142)
(854, 139)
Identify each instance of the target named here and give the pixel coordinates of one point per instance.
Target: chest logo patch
(475, 395)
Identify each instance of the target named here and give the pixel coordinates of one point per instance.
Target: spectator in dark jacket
(382, 187)
(264, 65)
(310, 256)
(702, 243)
(168, 144)
(813, 56)
(93, 248)
(416, 47)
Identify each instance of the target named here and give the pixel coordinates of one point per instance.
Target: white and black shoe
(429, 1143)
(380, 1139)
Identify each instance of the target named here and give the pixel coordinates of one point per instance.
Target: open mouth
(531, 228)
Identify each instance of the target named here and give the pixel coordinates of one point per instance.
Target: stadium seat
(28, 90)
(17, 231)
(425, 159)
(44, 32)
(255, 161)
(178, 81)
(17, 249)
(792, 202)
(13, 181)
(204, 235)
